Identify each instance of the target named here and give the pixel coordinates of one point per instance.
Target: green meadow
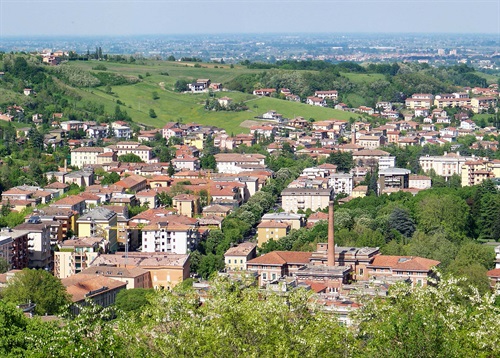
(137, 98)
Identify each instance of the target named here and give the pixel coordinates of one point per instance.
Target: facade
(17, 240)
(237, 163)
(76, 255)
(341, 183)
(393, 178)
(236, 258)
(86, 156)
(40, 254)
(294, 199)
(445, 166)
(134, 277)
(100, 222)
(420, 181)
(271, 229)
(475, 172)
(296, 221)
(169, 238)
(165, 270)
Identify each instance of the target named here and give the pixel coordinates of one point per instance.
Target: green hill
(137, 98)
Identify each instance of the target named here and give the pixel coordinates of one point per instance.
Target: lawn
(363, 77)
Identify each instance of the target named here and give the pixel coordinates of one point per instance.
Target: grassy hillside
(187, 107)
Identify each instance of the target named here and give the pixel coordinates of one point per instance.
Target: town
(344, 208)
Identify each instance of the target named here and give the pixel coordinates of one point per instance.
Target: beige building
(419, 181)
(134, 277)
(445, 166)
(294, 199)
(271, 229)
(236, 257)
(186, 204)
(296, 221)
(73, 256)
(165, 270)
(86, 156)
(475, 172)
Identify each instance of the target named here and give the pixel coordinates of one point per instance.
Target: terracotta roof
(70, 200)
(81, 285)
(494, 273)
(281, 258)
(273, 224)
(407, 263)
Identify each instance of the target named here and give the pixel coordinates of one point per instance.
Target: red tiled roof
(282, 257)
(407, 263)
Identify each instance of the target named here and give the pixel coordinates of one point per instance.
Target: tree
(442, 211)
(181, 86)
(343, 161)
(130, 158)
(208, 162)
(132, 300)
(170, 169)
(432, 321)
(152, 113)
(4, 265)
(170, 58)
(39, 287)
(155, 95)
(401, 220)
(110, 178)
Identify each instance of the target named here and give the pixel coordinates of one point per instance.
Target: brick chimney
(331, 238)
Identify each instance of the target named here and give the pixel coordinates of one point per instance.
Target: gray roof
(98, 214)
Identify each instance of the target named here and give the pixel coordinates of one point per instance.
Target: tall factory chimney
(331, 238)
(353, 136)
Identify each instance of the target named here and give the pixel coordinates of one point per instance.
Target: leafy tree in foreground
(39, 287)
(440, 321)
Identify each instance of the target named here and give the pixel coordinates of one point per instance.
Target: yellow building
(475, 172)
(99, 222)
(186, 204)
(359, 191)
(74, 256)
(271, 229)
(196, 140)
(236, 257)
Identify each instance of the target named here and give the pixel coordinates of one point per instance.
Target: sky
(142, 17)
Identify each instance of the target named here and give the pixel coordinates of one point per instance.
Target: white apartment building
(169, 238)
(86, 155)
(341, 183)
(445, 166)
(294, 199)
(236, 163)
(386, 162)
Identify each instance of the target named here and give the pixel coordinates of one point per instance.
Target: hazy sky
(136, 17)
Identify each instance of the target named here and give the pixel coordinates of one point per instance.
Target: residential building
(271, 229)
(393, 178)
(75, 255)
(40, 254)
(294, 199)
(341, 183)
(474, 172)
(236, 163)
(446, 165)
(420, 100)
(99, 222)
(170, 237)
(187, 204)
(166, 270)
(236, 257)
(296, 221)
(316, 101)
(83, 156)
(17, 240)
(102, 290)
(419, 181)
(331, 95)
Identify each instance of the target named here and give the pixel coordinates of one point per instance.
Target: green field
(363, 77)
(187, 107)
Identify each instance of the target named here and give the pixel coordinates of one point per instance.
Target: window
(241, 261)
(274, 276)
(361, 272)
(264, 276)
(229, 261)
